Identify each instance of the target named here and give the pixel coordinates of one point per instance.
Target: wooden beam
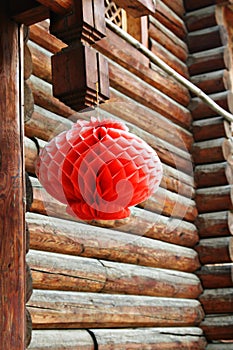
(217, 301)
(52, 234)
(12, 227)
(28, 11)
(57, 309)
(216, 276)
(137, 8)
(61, 7)
(213, 224)
(218, 327)
(214, 250)
(200, 18)
(208, 175)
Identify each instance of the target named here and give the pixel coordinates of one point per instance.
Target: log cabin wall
(128, 283)
(210, 68)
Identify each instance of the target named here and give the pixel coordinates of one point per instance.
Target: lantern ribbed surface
(99, 169)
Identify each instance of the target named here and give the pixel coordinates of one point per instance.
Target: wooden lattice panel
(115, 14)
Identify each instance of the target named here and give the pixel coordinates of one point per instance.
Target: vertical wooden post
(12, 241)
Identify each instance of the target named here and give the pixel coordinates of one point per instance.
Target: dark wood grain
(12, 285)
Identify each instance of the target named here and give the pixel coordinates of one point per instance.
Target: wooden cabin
(162, 278)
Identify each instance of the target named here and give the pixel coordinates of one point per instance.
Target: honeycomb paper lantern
(99, 169)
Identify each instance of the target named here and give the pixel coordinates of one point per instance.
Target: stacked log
(130, 282)
(209, 66)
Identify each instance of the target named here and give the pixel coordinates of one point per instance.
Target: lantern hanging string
(165, 67)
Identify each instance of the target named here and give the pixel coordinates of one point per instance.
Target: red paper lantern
(99, 169)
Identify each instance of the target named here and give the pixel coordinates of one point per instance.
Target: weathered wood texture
(211, 82)
(12, 247)
(217, 301)
(206, 61)
(204, 39)
(207, 129)
(206, 152)
(214, 250)
(55, 309)
(214, 199)
(213, 224)
(208, 175)
(217, 327)
(69, 273)
(130, 248)
(216, 276)
(200, 18)
(149, 338)
(151, 225)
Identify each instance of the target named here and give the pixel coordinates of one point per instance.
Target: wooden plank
(214, 250)
(169, 58)
(204, 39)
(149, 338)
(44, 39)
(218, 327)
(220, 346)
(207, 129)
(53, 271)
(206, 61)
(200, 109)
(213, 199)
(55, 309)
(213, 224)
(170, 19)
(61, 7)
(208, 175)
(151, 225)
(12, 226)
(177, 6)
(216, 276)
(28, 12)
(61, 339)
(137, 8)
(52, 234)
(211, 82)
(170, 41)
(216, 301)
(206, 152)
(200, 18)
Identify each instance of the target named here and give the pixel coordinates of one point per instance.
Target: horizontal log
(61, 339)
(171, 204)
(150, 225)
(42, 92)
(207, 129)
(227, 148)
(214, 250)
(170, 19)
(201, 110)
(217, 327)
(204, 39)
(165, 37)
(28, 12)
(55, 309)
(211, 82)
(61, 7)
(206, 61)
(53, 271)
(177, 6)
(210, 151)
(118, 338)
(230, 222)
(229, 173)
(216, 276)
(169, 58)
(28, 101)
(213, 224)
(168, 154)
(129, 110)
(217, 301)
(208, 175)
(39, 54)
(130, 85)
(43, 38)
(45, 125)
(127, 56)
(61, 236)
(200, 18)
(190, 6)
(213, 199)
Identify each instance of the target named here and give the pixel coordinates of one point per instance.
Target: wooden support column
(12, 241)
